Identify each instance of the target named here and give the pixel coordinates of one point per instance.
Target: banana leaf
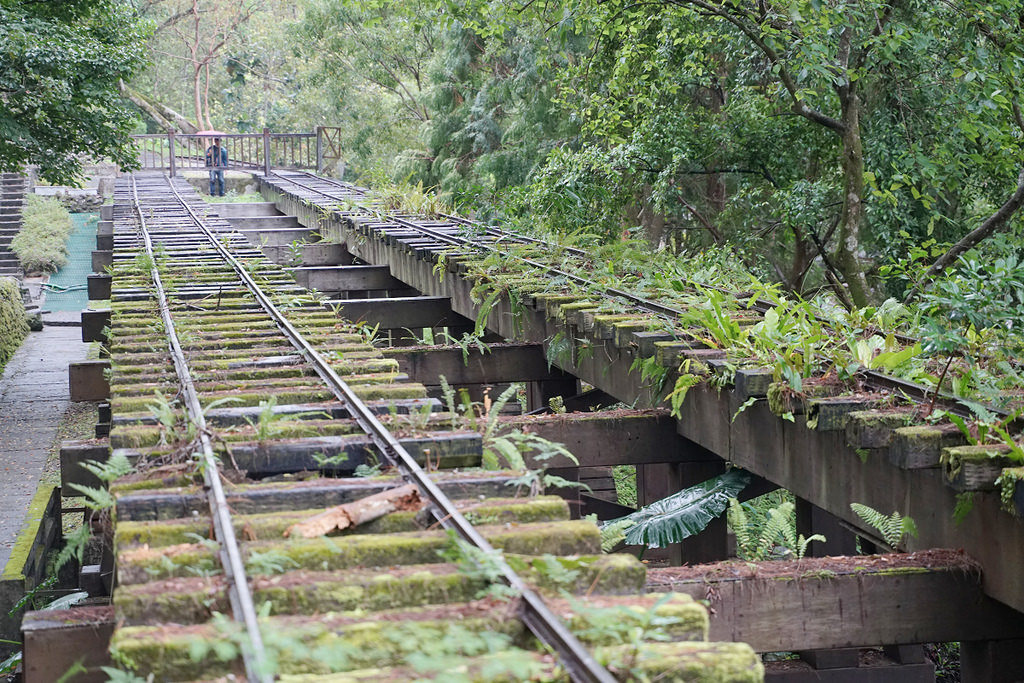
(685, 513)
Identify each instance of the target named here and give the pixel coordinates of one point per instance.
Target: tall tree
(59, 75)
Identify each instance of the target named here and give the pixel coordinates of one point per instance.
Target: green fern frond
(892, 528)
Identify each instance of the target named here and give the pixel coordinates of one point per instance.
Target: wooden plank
(98, 286)
(87, 380)
(399, 312)
(346, 278)
(93, 324)
(178, 503)
(621, 437)
(931, 596)
(501, 363)
(54, 641)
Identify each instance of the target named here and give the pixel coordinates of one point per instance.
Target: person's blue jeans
(217, 179)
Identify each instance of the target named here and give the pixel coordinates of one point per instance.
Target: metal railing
(260, 152)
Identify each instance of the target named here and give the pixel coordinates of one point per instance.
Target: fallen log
(357, 512)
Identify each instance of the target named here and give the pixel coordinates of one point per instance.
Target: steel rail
(544, 624)
(875, 379)
(239, 595)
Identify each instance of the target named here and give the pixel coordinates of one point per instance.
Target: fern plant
(682, 514)
(893, 528)
(758, 542)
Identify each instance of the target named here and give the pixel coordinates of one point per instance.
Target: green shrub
(13, 325)
(41, 244)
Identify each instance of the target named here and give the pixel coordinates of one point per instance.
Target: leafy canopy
(59, 81)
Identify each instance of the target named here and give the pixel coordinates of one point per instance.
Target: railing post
(266, 152)
(319, 149)
(170, 140)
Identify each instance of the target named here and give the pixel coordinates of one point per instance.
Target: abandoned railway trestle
(272, 417)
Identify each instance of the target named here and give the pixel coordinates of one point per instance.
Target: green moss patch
(344, 552)
(13, 323)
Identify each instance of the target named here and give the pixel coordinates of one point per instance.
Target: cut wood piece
(353, 514)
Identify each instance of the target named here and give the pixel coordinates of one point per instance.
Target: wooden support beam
(98, 286)
(412, 312)
(826, 603)
(88, 381)
(312, 254)
(621, 437)
(72, 455)
(55, 641)
(101, 260)
(94, 322)
(277, 237)
(501, 363)
(346, 278)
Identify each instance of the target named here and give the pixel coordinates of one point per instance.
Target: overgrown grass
(13, 325)
(41, 245)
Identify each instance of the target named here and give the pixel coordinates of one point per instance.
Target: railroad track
(670, 331)
(245, 407)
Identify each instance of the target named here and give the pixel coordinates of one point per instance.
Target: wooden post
(170, 140)
(266, 152)
(319, 149)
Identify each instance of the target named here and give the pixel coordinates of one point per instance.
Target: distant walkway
(33, 398)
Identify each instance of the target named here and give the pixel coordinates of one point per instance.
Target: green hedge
(41, 244)
(13, 325)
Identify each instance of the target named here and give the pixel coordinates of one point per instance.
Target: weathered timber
(276, 525)
(142, 501)
(94, 322)
(87, 380)
(346, 278)
(195, 599)
(621, 437)
(821, 468)
(932, 596)
(400, 312)
(276, 237)
(102, 259)
(360, 550)
(72, 455)
(450, 449)
(54, 641)
(500, 363)
(98, 286)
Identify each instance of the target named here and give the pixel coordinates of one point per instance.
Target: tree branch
(799, 106)
(997, 221)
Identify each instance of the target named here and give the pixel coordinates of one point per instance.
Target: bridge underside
(398, 286)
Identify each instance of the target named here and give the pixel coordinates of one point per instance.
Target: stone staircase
(12, 202)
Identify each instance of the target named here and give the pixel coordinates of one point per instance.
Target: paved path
(33, 398)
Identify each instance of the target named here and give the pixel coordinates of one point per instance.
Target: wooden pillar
(811, 519)
(654, 482)
(539, 394)
(992, 661)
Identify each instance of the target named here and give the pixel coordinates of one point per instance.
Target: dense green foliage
(41, 243)
(13, 325)
(59, 72)
(818, 142)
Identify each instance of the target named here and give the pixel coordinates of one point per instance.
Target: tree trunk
(166, 117)
(850, 224)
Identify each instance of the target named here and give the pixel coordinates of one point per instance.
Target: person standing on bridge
(216, 160)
